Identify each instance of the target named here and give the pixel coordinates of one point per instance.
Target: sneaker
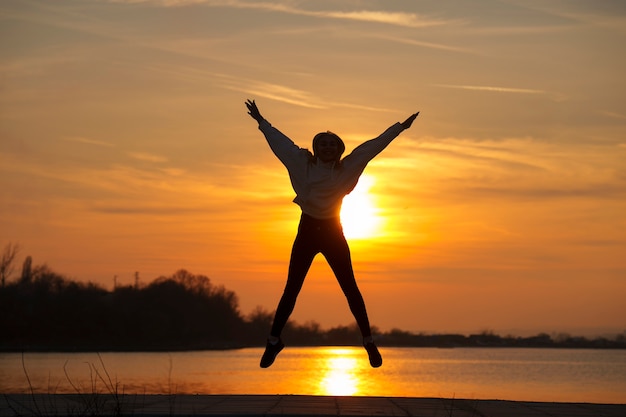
(372, 351)
(271, 351)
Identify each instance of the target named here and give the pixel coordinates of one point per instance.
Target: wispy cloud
(89, 141)
(285, 94)
(424, 44)
(392, 18)
(556, 96)
(597, 191)
(146, 209)
(374, 16)
(613, 115)
(272, 91)
(141, 156)
(610, 15)
(362, 107)
(493, 89)
(512, 169)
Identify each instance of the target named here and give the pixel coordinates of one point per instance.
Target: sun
(342, 376)
(359, 215)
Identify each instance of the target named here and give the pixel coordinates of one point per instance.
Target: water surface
(568, 375)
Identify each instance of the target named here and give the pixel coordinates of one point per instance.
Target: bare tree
(27, 270)
(6, 262)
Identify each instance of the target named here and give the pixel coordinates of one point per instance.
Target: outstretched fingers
(251, 105)
(253, 110)
(409, 121)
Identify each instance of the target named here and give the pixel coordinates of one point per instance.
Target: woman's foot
(372, 351)
(272, 349)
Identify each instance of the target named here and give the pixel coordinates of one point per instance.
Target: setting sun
(359, 214)
(341, 377)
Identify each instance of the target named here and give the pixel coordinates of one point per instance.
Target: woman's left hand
(408, 122)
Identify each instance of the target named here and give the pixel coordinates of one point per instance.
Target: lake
(561, 375)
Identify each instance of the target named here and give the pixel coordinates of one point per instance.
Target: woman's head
(328, 147)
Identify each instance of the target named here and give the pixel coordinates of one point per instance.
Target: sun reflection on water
(342, 372)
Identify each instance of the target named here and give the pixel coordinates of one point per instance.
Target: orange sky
(125, 146)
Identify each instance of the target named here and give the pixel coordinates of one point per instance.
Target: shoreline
(232, 347)
(287, 405)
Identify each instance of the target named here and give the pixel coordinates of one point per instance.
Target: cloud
(596, 191)
(362, 107)
(492, 89)
(423, 44)
(404, 19)
(273, 91)
(516, 169)
(392, 18)
(555, 96)
(133, 208)
(609, 14)
(88, 141)
(141, 156)
(285, 94)
(613, 115)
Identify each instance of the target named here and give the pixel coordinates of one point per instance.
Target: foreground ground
(288, 405)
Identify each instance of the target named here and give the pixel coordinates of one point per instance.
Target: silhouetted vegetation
(45, 311)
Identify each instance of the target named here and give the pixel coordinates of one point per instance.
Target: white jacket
(320, 187)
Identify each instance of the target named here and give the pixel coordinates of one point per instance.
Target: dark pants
(323, 236)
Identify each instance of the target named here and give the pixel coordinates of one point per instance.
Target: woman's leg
(337, 254)
(302, 255)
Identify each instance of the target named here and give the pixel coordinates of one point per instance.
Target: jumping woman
(321, 180)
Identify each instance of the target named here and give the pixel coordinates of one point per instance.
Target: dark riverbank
(391, 339)
(289, 405)
(46, 312)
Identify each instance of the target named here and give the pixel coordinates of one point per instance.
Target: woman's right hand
(253, 110)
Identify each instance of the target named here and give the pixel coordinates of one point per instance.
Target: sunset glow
(359, 214)
(126, 151)
(341, 377)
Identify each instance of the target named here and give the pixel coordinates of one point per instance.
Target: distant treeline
(44, 311)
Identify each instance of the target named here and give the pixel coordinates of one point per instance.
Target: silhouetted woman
(321, 180)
